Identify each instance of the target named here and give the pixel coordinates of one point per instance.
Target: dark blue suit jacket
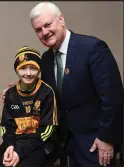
(92, 91)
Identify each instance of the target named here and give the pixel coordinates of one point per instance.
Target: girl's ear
(39, 73)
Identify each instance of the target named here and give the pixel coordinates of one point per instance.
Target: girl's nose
(28, 72)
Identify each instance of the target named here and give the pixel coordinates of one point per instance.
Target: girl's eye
(23, 68)
(33, 68)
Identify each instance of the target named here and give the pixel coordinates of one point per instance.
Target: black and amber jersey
(29, 118)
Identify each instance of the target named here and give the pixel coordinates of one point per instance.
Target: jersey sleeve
(8, 125)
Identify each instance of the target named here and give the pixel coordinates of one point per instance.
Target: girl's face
(28, 73)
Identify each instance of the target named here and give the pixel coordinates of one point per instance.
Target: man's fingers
(3, 99)
(94, 147)
(108, 160)
(11, 84)
(3, 95)
(112, 154)
(4, 91)
(105, 158)
(101, 155)
(105, 151)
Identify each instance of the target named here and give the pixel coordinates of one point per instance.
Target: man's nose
(44, 31)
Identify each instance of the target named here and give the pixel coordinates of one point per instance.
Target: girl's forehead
(29, 66)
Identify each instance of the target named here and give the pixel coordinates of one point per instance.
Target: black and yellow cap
(25, 56)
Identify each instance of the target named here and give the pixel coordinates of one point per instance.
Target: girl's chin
(31, 81)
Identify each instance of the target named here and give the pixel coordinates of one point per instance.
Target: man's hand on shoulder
(4, 92)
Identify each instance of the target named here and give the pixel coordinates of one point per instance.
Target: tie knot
(58, 53)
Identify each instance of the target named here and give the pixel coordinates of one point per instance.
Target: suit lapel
(69, 59)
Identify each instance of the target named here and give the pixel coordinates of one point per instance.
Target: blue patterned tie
(59, 70)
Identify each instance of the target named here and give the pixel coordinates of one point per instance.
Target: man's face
(28, 74)
(50, 29)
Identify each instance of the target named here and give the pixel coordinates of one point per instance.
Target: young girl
(29, 115)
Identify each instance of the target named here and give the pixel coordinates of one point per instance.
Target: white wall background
(102, 19)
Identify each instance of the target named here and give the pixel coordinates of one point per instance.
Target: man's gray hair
(42, 8)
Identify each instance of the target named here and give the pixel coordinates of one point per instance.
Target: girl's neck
(28, 87)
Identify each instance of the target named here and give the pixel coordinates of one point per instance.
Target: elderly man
(85, 77)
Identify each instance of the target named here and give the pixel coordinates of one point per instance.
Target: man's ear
(61, 17)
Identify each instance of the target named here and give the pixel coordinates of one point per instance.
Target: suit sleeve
(8, 125)
(107, 81)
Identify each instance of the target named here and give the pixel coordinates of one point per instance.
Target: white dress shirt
(63, 49)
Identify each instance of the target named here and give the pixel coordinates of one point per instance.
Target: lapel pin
(67, 71)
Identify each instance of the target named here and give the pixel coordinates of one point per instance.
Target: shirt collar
(64, 46)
